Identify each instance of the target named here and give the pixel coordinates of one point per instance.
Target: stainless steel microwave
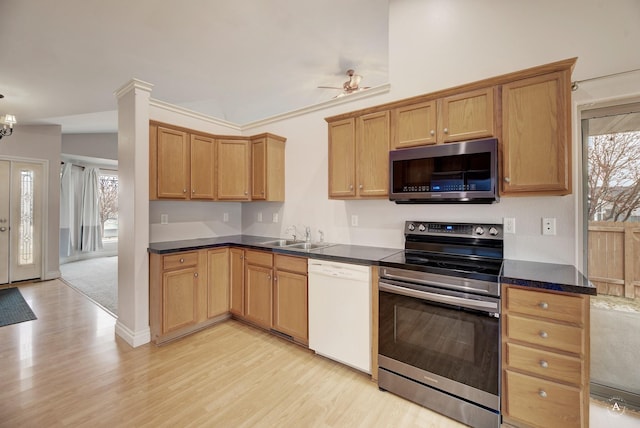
(465, 172)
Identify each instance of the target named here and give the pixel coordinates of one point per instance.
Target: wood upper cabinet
(536, 135)
(258, 287)
(236, 281)
(359, 157)
(234, 169)
(467, 116)
(173, 155)
(181, 165)
(342, 159)
(459, 117)
(202, 156)
(218, 277)
(545, 358)
(267, 168)
(290, 297)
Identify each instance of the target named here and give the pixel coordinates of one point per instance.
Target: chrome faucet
(321, 235)
(294, 232)
(307, 234)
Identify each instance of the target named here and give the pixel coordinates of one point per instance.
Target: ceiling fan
(350, 86)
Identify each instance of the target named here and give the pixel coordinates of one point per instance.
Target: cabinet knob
(268, 276)
(184, 190)
(193, 190)
(542, 393)
(181, 260)
(445, 130)
(275, 278)
(507, 180)
(3, 229)
(350, 186)
(262, 192)
(543, 305)
(246, 193)
(544, 334)
(361, 186)
(432, 132)
(195, 274)
(544, 364)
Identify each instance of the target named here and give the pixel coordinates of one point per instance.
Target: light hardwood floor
(68, 369)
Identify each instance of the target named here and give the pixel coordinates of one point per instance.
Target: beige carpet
(97, 278)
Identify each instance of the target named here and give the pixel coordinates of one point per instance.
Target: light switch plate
(509, 225)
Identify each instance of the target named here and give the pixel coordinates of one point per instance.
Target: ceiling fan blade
(329, 87)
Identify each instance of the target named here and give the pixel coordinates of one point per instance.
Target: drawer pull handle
(544, 364)
(542, 393)
(543, 305)
(544, 334)
(181, 260)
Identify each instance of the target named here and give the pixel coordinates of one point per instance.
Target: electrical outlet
(275, 218)
(509, 225)
(548, 226)
(354, 220)
(260, 217)
(225, 217)
(164, 218)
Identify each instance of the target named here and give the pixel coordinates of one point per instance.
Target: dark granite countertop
(546, 276)
(357, 254)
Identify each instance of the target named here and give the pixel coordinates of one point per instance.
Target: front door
(21, 186)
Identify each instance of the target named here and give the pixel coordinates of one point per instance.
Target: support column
(133, 212)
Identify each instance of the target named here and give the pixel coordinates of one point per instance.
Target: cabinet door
(202, 167)
(258, 292)
(267, 169)
(218, 282)
(234, 158)
(236, 281)
(179, 299)
(290, 309)
(414, 125)
(467, 116)
(259, 169)
(373, 154)
(536, 135)
(173, 164)
(342, 159)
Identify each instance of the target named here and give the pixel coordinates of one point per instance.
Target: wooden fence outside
(614, 258)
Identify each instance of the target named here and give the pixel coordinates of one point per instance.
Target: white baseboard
(134, 339)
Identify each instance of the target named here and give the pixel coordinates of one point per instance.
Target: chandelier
(7, 121)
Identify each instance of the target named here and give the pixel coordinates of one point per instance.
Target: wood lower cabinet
(536, 135)
(359, 157)
(290, 297)
(545, 351)
(187, 292)
(258, 287)
(236, 281)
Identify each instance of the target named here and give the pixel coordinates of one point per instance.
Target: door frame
(44, 257)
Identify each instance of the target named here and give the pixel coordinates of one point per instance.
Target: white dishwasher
(340, 312)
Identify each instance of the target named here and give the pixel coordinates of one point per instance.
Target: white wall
(42, 143)
(101, 146)
(437, 44)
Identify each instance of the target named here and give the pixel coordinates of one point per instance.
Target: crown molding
(191, 113)
(134, 84)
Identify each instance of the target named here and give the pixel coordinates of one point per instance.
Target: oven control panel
(477, 230)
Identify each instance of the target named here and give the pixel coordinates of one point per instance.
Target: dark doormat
(13, 308)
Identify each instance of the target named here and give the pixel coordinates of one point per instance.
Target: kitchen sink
(307, 246)
(281, 243)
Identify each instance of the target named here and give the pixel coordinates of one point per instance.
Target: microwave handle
(490, 307)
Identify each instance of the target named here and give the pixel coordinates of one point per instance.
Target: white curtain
(90, 227)
(67, 211)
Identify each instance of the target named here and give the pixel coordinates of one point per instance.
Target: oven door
(445, 339)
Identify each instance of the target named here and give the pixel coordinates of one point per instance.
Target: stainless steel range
(439, 328)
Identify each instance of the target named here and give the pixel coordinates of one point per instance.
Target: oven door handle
(490, 307)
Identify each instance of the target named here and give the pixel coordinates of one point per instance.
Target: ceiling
(236, 60)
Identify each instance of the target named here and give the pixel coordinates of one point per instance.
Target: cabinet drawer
(179, 260)
(541, 403)
(544, 363)
(544, 333)
(259, 258)
(548, 305)
(290, 263)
